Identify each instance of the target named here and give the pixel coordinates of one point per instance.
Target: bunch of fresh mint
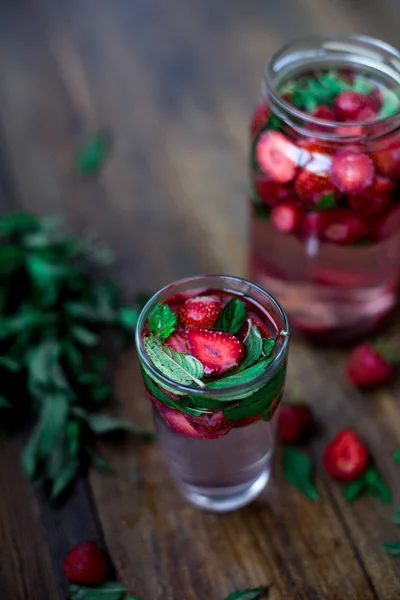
(52, 365)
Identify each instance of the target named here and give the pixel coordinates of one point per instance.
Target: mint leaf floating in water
(268, 346)
(109, 590)
(297, 470)
(93, 154)
(162, 321)
(326, 202)
(254, 346)
(250, 594)
(182, 368)
(232, 317)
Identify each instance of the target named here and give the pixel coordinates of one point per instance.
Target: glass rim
(308, 119)
(264, 376)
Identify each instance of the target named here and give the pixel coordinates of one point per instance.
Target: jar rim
(215, 392)
(328, 129)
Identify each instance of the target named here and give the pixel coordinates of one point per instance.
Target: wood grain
(174, 83)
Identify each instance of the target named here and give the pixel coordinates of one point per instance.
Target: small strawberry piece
(86, 565)
(351, 172)
(259, 117)
(271, 192)
(216, 350)
(252, 319)
(293, 422)
(201, 311)
(353, 132)
(311, 187)
(179, 423)
(370, 365)
(389, 225)
(387, 160)
(246, 421)
(211, 426)
(177, 341)
(348, 104)
(277, 156)
(366, 114)
(314, 146)
(369, 205)
(323, 112)
(336, 226)
(346, 456)
(287, 216)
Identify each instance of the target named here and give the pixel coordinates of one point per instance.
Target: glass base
(227, 498)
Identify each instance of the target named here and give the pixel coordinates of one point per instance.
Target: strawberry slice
(387, 160)
(389, 225)
(314, 146)
(349, 104)
(177, 341)
(253, 319)
(259, 117)
(271, 192)
(211, 426)
(369, 205)
(311, 187)
(287, 216)
(218, 351)
(323, 112)
(277, 156)
(351, 172)
(201, 311)
(337, 226)
(179, 423)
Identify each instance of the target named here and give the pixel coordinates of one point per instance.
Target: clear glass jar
(218, 442)
(325, 184)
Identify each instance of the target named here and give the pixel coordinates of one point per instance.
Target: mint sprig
(250, 593)
(162, 321)
(92, 155)
(53, 314)
(109, 590)
(254, 346)
(326, 202)
(370, 483)
(232, 317)
(182, 368)
(297, 470)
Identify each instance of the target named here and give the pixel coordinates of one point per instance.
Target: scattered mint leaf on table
(250, 594)
(354, 489)
(232, 316)
(261, 210)
(109, 590)
(392, 548)
(396, 515)
(297, 470)
(162, 321)
(396, 456)
(376, 486)
(93, 154)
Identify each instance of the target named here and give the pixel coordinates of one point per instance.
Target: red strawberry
(287, 216)
(86, 565)
(177, 340)
(323, 112)
(389, 225)
(202, 311)
(351, 172)
(246, 421)
(311, 187)
(353, 132)
(371, 364)
(259, 117)
(366, 114)
(314, 146)
(346, 456)
(252, 319)
(348, 104)
(376, 199)
(277, 156)
(179, 423)
(211, 426)
(293, 422)
(218, 351)
(270, 192)
(387, 160)
(336, 226)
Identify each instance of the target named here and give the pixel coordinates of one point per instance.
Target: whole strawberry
(86, 565)
(370, 364)
(346, 457)
(294, 421)
(201, 311)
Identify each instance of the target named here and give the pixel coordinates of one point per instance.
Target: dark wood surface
(175, 82)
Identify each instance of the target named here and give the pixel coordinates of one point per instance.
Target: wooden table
(175, 82)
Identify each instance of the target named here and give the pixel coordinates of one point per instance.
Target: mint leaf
(362, 85)
(268, 346)
(10, 364)
(353, 489)
(396, 515)
(98, 462)
(261, 210)
(102, 424)
(64, 478)
(390, 104)
(11, 259)
(232, 316)
(4, 403)
(376, 486)
(250, 593)
(128, 318)
(297, 470)
(392, 548)
(84, 336)
(182, 368)
(396, 456)
(110, 590)
(254, 346)
(162, 321)
(92, 155)
(326, 202)
(241, 376)
(13, 224)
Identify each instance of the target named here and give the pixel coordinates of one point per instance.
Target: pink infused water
(325, 185)
(218, 434)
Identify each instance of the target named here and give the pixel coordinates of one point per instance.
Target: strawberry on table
(86, 564)
(277, 156)
(351, 171)
(218, 351)
(371, 364)
(346, 457)
(201, 311)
